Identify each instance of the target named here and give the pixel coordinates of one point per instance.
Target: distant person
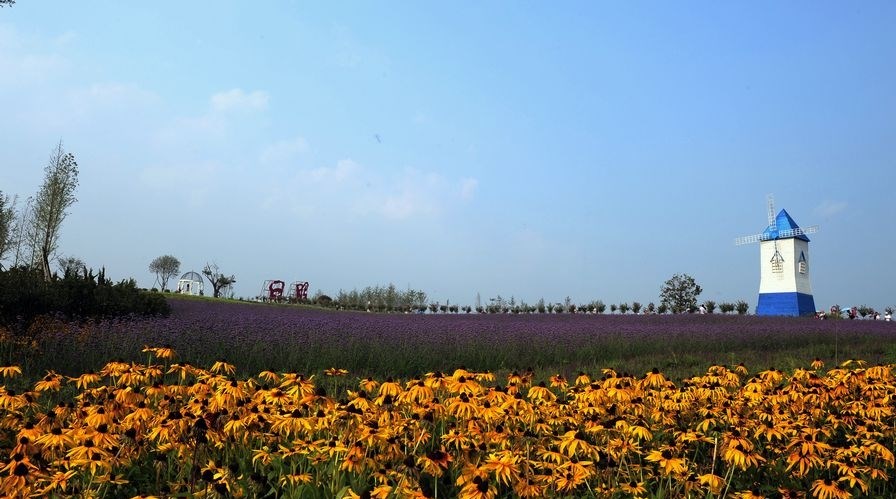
(702, 309)
(888, 317)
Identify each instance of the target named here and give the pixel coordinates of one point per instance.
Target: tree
(623, 308)
(710, 306)
(680, 293)
(636, 307)
(71, 264)
(164, 267)
(7, 224)
(55, 196)
(219, 281)
(4, 3)
(742, 307)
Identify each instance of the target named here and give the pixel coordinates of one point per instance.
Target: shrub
(742, 307)
(323, 300)
(25, 295)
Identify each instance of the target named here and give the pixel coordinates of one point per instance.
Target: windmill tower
(784, 287)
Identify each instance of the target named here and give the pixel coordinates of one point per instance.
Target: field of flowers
(250, 400)
(258, 337)
(164, 427)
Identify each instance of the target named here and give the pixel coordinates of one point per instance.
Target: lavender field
(257, 337)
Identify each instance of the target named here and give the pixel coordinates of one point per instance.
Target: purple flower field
(257, 337)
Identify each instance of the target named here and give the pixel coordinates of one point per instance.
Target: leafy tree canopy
(680, 293)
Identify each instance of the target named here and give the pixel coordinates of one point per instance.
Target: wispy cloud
(110, 96)
(187, 182)
(344, 170)
(351, 54)
(413, 194)
(468, 188)
(237, 100)
(830, 208)
(22, 65)
(283, 151)
(217, 121)
(349, 190)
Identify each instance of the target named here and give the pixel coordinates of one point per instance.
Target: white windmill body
(784, 286)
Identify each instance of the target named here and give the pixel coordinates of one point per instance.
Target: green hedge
(24, 295)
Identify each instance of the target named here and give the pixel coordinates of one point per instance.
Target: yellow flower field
(166, 428)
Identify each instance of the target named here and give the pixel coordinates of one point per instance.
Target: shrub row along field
(259, 337)
(165, 427)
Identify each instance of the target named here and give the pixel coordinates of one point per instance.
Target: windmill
(784, 287)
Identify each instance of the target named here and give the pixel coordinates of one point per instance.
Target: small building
(191, 283)
(784, 287)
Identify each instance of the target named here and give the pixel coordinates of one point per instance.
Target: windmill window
(777, 262)
(803, 265)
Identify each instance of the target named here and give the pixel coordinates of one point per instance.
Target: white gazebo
(190, 284)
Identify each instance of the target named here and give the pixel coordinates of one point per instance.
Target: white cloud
(421, 118)
(116, 97)
(189, 130)
(348, 190)
(351, 54)
(189, 183)
(214, 124)
(21, 66)
(414, 194)
(283, 150)
(830, 208)
(66, 38)
(238, 100)
(343, 170)
(468, 187)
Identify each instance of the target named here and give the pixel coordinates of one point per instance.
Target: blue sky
(586, 149)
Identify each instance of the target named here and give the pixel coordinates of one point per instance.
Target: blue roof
(783, 222)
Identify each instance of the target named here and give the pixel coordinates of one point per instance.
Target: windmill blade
(755, 238)
(798, 231)
(772, 220)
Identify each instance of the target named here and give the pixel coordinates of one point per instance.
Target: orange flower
(827, 489)
(667, 461)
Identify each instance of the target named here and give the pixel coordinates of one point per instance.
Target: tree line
(30, 236)
(679, 294)
(29, 242)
